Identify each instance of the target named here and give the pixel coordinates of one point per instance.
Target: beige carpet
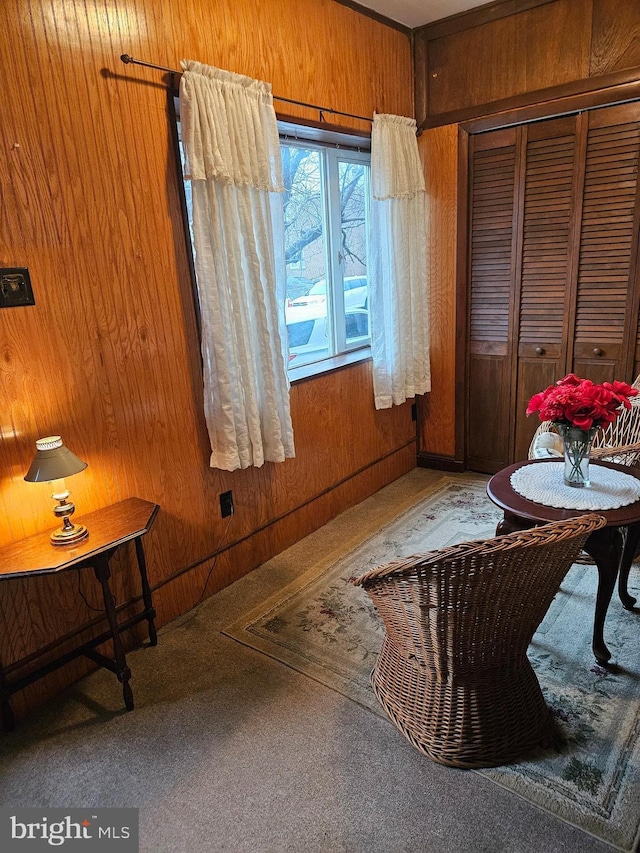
(324, 627)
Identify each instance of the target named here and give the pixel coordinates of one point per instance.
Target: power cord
(204, 588)
(90, 606)
(215, 561)
(188, 619)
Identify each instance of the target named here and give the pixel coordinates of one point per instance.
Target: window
(326, 225)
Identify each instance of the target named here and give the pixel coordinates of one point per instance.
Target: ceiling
(416, 13)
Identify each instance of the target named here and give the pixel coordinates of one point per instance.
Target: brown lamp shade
(53, 461)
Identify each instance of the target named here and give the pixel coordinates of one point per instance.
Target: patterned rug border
(346, 548)
(321, 671)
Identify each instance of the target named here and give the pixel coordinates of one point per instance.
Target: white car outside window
(308, 332)
(355, 294)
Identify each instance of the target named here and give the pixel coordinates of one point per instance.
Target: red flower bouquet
(580, 403)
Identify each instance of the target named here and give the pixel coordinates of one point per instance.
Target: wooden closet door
(550, 206)
(491, 275)
(553, 279)
(606, 302)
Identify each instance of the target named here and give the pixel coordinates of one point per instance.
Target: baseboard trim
(272, 521)
(439, 463)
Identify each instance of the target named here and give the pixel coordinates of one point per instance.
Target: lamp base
(69, 535)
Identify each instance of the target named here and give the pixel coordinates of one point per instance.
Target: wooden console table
(109, 528)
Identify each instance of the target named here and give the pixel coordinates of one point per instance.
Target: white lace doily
(545, 485)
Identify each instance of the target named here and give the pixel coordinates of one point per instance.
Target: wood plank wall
(109, 355)
(478, 63)
(437, 410)
(513, 48)
(517, 53)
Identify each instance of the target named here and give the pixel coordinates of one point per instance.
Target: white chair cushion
(548, 444)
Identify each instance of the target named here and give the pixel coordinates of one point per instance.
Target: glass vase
(577, 447)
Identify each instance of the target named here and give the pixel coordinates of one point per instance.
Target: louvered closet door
(606, 306)
(543, 298)
(492, 183)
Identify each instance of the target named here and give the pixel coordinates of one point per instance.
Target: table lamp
(53, 462)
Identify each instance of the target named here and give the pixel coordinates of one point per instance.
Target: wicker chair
(453, 673)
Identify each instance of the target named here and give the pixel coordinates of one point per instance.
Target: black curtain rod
(129, 60)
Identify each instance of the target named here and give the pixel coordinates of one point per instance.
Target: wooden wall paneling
(617, 87)
(438, 416)
(615, 39)
(109, 355)
(420, 53)
(46, 190)
(476, 17)
(462, 292)
(529, 50)
(501, 57)
(325, 64)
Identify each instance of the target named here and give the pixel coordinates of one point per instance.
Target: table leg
(631, 543)
(605, 546)
(103, 573)
(146, 592)
(511, 524)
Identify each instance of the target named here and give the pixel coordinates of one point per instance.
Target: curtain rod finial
(126, 58)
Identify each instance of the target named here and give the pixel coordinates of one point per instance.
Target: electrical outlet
(15, 287)
(226, 504)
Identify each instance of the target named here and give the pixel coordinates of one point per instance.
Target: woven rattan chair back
(453, 673)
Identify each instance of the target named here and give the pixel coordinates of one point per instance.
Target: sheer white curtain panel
(232, 157)
(398, 267)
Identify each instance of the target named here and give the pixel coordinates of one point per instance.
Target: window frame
(335, 145)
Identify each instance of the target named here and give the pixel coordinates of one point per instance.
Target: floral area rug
(326, 628)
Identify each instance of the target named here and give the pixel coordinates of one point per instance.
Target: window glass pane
(353, 248)
(304, 234)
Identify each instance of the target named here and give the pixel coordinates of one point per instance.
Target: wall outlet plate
(15, 287)
(226, 504)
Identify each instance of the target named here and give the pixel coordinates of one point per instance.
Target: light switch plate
(15, 287)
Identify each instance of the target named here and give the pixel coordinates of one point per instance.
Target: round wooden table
(611, 551)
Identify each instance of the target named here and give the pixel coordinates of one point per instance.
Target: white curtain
(232, 154)
(398, 264)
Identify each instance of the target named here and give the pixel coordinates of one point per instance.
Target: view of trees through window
(325, 219)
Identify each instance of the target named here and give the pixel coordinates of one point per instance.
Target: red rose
(581, 403)
(580, 414)
(622, 391)
(535, 403)
(570, 379)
